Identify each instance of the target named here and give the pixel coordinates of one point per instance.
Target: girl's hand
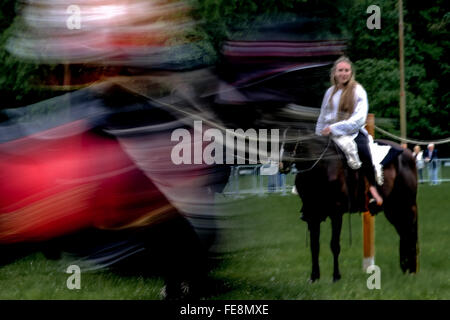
(326, 131)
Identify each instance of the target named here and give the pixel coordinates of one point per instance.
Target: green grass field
(271, 260)
(264, 256)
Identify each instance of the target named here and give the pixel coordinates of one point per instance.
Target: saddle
(379, 152)
(382, 154)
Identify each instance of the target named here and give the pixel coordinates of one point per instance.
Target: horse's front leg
(314, 234)
(336, 226)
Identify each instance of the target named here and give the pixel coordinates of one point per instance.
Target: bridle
(294, 152)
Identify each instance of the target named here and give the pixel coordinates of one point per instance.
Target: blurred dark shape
(260, 78)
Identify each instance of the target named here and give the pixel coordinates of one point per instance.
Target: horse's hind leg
(409, 248)
(314, 234)
(336, 225)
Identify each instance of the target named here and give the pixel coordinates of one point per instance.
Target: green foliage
(426, 45)
(239, 19)
(376, 52)
(17, 77)
(14, 75)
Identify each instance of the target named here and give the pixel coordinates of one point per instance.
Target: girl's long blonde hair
(347, 101)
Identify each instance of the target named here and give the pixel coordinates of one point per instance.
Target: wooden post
(66, 82)
(368, 221)
(402, 73)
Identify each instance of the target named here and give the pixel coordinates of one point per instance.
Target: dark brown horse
(328, 188)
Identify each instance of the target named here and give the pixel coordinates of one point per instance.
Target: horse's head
(300, 146)
(290, 145)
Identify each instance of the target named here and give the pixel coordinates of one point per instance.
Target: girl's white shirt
(351, 126)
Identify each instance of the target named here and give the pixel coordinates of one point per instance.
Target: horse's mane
(309, 149)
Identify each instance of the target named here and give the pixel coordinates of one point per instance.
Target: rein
(318, 159)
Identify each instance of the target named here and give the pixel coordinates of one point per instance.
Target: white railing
(254, 180)
(442, 172)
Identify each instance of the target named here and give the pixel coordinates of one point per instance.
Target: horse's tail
(407, 160)
(408, 170)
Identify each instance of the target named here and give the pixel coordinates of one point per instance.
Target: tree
(426, 70)
(17, 78)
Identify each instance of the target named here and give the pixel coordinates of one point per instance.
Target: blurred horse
(90, 173)
(325, 184)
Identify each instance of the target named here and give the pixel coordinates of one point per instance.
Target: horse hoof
(313, 279)
(336, 278)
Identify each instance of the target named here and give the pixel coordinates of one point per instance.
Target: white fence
(442, 172)
(252, 180)
(256, 180)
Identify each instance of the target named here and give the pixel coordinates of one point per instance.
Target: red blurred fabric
(55, 186)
